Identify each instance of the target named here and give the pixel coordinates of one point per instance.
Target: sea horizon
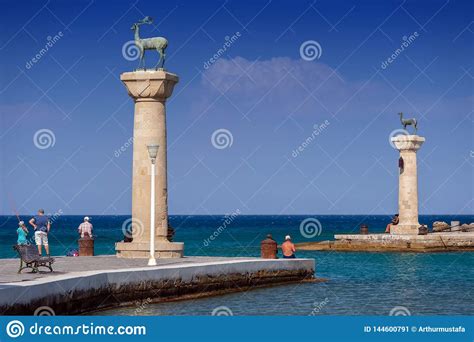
(234, 231)
(413, 278)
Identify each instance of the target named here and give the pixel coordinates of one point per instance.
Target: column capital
(408, 142)
(149, 85)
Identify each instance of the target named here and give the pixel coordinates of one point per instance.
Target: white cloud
(282, 85)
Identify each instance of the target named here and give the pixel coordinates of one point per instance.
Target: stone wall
(437, 242)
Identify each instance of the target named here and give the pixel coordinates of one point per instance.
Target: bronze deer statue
(156, 43)
(408, 122)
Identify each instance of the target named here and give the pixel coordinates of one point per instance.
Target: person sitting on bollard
(22, 231)
(85, 228)
(288, 248)
(394, 222)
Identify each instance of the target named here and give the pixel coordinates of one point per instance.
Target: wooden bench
(30, 258)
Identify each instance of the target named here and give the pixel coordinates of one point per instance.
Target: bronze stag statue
(156, 43)
(408, 122)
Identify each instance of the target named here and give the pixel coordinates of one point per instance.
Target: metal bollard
(269, 248)
(364, 229)
(86, 246)
(423, 230)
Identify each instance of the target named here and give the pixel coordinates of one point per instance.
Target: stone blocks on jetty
(433, 242)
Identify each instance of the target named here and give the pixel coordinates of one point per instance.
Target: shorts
(41, 238)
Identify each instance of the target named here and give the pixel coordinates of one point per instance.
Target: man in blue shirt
(41, 224)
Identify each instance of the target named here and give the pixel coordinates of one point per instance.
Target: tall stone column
(408, 145)
(149, 90)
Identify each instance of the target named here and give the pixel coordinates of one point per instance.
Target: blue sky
(260, 90)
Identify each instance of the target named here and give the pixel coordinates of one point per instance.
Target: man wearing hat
(22, 231)
(288, 248)
(85, 228)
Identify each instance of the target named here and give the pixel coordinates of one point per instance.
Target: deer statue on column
(156, 43)
(408, 122)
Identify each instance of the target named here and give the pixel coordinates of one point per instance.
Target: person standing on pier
(22, 231)
(41, 225)
(288, 248)
(85, 228)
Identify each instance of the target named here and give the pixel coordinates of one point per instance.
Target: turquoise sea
(358, 283)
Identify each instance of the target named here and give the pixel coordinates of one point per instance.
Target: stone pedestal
(408, 184)
(149, 90)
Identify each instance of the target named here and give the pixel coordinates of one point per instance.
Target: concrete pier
(80, 285)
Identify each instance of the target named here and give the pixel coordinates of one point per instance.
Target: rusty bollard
(86, 246)
(423, 230)
(269, 248)
(364, 229)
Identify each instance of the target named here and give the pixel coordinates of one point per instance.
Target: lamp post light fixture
(152, 152)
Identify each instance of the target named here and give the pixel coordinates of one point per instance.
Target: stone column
(149, 90)
(408, 184)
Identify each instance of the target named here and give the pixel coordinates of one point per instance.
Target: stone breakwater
(434, 242)
(81, 292)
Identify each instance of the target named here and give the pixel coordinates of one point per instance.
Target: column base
(404, 229)
(141, 250)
